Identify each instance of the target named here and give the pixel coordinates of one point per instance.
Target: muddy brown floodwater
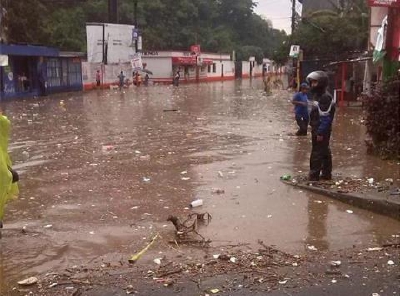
(101, 171)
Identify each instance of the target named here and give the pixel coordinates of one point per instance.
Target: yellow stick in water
(137, 256)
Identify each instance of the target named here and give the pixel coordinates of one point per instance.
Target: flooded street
(101, 171)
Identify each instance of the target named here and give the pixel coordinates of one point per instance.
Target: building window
(53, 72)
(209, 68)
(74, 72)
(214, 68)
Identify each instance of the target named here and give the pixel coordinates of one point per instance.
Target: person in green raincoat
(8, 188)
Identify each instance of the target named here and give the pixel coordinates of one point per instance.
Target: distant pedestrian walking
(42, 74)
(176, 78)
(267, 84)
(300, 102)
(98, 78)
(146, 79)
(138, 79)
(121, 77)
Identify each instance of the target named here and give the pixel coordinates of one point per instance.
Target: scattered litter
(184, 173)
(233, 259)
(374, 249)
(318, 201)
(286, 177)
(134, 208)
(196, 203)
(269, 216)
(349, 211)
(395, 192)
(370, 180)
(106, 148)
(283, 282)
(29, 281)
(185, 178)
(48, 226)
(91, 232)
(336, 263)
(375, 294)
(137, 256)
(390, 262)
(145, 179)
(216, 256)
(144, 157)
(214, 291)
(218, 191)
(312, 248)
(220, 174)
(157, 261)
(53, 285)
(295, 264)
(137, 152)
(334, 281)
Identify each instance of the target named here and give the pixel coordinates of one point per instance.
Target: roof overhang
(28, 50)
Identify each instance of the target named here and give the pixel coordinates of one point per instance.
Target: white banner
(294, 51)
(136, 62)
(112, 42)
(3, 60)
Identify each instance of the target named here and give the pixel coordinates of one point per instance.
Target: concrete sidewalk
(385, 202)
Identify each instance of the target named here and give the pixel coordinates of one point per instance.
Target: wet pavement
(101, 171)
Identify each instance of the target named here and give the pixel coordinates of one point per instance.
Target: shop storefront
(28, 71)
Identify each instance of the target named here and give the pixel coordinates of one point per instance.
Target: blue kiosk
(29, 71)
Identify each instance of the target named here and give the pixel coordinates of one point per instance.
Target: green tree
(217, 25)
(65, 29)
(334, 34)
(24, 21)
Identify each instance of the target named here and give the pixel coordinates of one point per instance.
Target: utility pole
(135, 22)
(113, 11)
(293, 15)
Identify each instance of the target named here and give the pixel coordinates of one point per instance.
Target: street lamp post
(135, 22)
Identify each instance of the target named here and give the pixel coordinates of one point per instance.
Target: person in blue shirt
(300, 102)
(121, 77)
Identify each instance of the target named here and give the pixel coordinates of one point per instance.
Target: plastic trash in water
(196, 203)
(286, 177)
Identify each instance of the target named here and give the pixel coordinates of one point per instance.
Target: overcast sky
(278, 11)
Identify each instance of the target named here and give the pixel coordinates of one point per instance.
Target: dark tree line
(218, 25)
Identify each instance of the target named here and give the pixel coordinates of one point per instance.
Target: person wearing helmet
(322, 112)
(300, 102)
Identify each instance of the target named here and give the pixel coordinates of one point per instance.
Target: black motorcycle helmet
(322, 81)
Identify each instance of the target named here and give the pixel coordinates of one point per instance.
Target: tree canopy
(217, 25)
(334, 34)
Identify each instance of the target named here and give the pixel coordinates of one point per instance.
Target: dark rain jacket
(322, 114)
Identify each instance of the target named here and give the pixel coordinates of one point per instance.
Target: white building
(192, 68)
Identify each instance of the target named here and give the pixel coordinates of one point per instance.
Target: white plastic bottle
(196, 203)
